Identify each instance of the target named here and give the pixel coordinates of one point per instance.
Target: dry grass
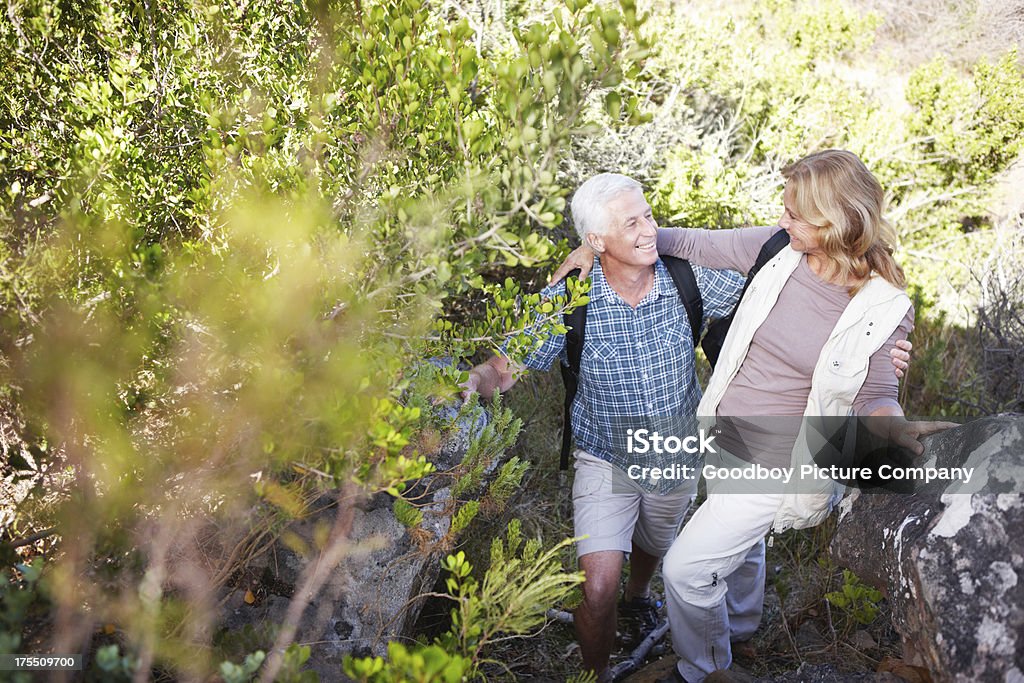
(915, 31)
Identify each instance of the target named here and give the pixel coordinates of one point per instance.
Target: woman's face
(803, 236)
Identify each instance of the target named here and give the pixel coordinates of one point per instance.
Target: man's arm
(497, 373)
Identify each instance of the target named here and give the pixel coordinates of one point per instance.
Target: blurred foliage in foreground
(228, 230)
(231, 232)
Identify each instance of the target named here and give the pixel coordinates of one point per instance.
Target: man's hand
(900, 356)
(495, 374)
(470, 385)
(582, 257)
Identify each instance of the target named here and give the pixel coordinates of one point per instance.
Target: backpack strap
(714, 338)
(769, 250)
(689, 292)
(575, 321)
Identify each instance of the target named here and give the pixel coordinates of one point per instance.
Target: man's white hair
(590, 203)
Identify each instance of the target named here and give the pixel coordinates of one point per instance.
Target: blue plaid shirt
(637, 363)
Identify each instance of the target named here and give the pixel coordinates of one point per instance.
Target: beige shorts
(614, 512)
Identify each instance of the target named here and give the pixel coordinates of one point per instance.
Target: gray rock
(808, 637)
(863, 641)
(376, 594)
(951, 557)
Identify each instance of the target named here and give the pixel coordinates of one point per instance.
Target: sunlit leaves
(242, 227)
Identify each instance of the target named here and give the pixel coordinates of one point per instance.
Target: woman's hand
(900, 356)
(909, 434)
(582, 257)
(890, 423)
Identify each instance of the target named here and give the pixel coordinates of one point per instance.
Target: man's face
(632, 236)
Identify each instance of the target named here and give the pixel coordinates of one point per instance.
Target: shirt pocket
(603, 364)
(668, 352)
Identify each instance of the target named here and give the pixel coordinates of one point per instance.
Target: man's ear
(595, 242)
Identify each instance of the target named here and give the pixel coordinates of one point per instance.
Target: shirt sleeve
(719, 290)
(552, 348)
(881, 387)
(723, 249)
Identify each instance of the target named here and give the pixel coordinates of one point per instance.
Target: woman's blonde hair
(836, 192)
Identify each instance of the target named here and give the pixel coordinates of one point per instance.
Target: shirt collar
(599, 287)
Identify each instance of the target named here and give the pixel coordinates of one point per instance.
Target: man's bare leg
(641, 570)
(595, 617)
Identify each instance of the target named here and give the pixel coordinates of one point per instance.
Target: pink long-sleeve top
(774, 380)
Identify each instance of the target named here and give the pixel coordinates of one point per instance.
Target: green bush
(511, 600)
(857, 603)
(230, 231)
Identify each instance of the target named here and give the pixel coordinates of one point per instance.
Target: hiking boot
(730, 675)
(673, 676)
(743, 651)
(640, 616)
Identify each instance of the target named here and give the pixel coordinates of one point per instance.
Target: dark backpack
(683, 277)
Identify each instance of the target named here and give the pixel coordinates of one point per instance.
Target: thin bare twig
(789, 633)
(38, 536)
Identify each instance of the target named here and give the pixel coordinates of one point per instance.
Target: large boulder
(376, 592)
(950, 556)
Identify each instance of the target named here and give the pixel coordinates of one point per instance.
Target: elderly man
(638, 360)
(637, 364)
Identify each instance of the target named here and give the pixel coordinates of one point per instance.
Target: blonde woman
(811, 338)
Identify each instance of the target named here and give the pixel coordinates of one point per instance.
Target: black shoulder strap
(689, 292)
(769, 250)
(575, 321)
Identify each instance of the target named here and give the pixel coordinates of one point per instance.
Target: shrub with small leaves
(407, 514)
(228, 233)
(512, 600)
(857, 603)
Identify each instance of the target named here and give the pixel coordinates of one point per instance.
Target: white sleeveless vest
(869, 319)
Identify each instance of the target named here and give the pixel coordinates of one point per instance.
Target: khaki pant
(714, 579)
(614, 511)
